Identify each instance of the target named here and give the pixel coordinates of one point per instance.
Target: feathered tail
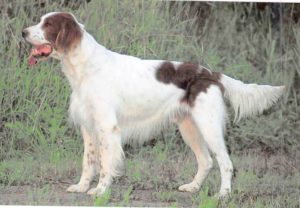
(249, 99)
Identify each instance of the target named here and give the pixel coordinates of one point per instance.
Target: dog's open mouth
(38, 53)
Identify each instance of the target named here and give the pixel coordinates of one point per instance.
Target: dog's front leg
(110, 156)
(88, 165)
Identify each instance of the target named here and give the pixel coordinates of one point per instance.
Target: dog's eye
(47, 24)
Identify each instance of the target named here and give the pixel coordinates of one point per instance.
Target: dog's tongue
(32, 61)
(39, 52)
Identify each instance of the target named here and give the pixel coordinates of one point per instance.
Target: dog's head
(57, 33)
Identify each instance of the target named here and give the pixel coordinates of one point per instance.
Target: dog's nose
(24, 33)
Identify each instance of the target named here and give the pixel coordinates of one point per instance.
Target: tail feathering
(249, 99)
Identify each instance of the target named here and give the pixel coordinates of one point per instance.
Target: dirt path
(55, 194)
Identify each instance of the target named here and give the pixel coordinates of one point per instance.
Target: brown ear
(69, 35)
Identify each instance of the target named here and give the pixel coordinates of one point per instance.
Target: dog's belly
(139, 129)
(144, 116)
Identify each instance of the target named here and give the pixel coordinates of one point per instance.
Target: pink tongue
(39, 52)
(32, 61)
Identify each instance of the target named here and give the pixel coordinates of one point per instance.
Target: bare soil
(268, 178)
(56, 195)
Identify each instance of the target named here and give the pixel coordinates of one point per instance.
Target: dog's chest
(79, 111)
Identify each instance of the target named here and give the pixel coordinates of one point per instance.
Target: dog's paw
(223, 193)
(191, 187)
(98, 191)
(78, 188)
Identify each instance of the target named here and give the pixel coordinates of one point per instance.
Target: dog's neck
(75, 62)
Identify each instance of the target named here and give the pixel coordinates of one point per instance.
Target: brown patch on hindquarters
(62, 31)
(189, 77)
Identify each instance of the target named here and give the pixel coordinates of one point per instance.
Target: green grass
(102, 200)
(37, 141)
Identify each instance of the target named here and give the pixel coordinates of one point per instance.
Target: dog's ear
(69, 35)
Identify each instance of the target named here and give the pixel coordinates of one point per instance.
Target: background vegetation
(252, 42)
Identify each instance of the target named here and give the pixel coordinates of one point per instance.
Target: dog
(119, 98)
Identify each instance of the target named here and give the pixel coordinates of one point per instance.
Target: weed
(165, 196)
(174, 205)
(134, 168)
(103, 200)
(207, 201)
(126, 196)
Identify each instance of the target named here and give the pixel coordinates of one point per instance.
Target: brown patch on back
(62, 31)
(189, 77)
(166, 72)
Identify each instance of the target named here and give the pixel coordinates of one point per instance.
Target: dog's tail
(249, 99)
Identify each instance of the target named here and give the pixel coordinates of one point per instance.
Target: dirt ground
(56, 195)
(260, 181)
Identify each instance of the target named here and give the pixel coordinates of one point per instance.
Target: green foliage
(207, 201)
(10, 175)
(126, 197)
(102, 200)
(134, 168)
(165, 196)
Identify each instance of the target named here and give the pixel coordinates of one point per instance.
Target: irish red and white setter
(118, 98)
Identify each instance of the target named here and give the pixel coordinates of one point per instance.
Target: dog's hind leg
(191, 136)
(89, 163)
(209, 116)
